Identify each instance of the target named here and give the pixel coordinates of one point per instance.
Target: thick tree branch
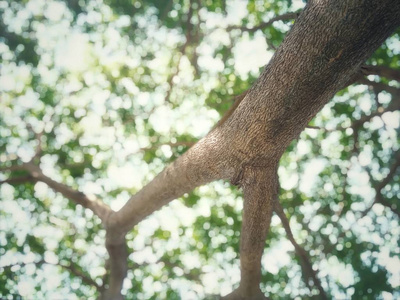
(313, 274)
(118, 266)
(260, 189)
(182, 176)
(285, 17)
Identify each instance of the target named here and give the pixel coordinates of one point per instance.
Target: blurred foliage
(120, 88)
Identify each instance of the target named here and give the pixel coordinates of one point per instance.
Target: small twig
(182, 52)
(176, 144)
(85, 278)
(300, 250)
(285, 17)
(38, 137)
(381, 185)
(314, 127)
(188, 274)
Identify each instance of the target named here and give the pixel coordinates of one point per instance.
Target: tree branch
(91, 202)
(84, 277)
(171, 144)
(180, 177)
(71, 268)
(392, 171)
(379, 87)
(382, 71)
(357, 124)
(182, 52)
(18, 180)
(260, 189)
(381, 185)
(285, 17)
(300, 251)
(38, 137)
(12, 168)
(118, 265)
(117, 248)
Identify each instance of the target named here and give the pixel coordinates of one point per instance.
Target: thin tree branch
(84, 277)
(182, 52)
(188, 274)
(156, 146)
(300, 251)
(38, 137)
(117, 250)
(392, 171)
(357, 124)
(12, 168)
(71, 268)
(285, 17)
(91, 202)
(381, 200)
(171, 144)
(381, 185)
(314, 127)
(382, 71)
(8, 157)
(23, 264)
(379, 86)
(18, 180)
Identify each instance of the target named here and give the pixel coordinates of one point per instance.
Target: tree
(323, 53)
